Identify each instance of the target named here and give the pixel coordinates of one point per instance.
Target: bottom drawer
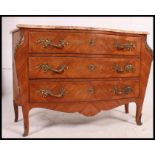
(84, 90)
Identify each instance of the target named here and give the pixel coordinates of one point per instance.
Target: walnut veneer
(73, 69)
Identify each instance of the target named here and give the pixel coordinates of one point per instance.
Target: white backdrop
(124, 23)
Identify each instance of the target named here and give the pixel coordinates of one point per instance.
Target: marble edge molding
(76, 28)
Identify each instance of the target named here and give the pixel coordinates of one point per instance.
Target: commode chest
(73, 69)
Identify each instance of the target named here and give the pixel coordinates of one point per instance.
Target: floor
(50, 124)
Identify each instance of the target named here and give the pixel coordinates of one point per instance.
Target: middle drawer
(77, 67)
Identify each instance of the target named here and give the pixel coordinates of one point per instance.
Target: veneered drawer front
(86, 90)
(86, 43)
(77, 67)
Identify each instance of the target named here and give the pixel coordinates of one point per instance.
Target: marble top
(78, 28)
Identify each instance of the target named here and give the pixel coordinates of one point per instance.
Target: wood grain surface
(90, 80)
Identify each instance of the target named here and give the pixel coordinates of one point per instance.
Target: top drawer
(83, 42)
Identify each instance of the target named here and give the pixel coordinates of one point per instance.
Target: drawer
(78, 67)
(86, 43)
(84, 90)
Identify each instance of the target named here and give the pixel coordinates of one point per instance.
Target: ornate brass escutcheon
(91, 91)
(91, 67)
(20, 41)
(91, 42)
(129, 46)
(47, 92)
(125, 90)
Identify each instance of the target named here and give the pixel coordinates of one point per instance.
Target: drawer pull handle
(47, 92)
(127, 46)
(45, 43)
(125, 90)
(46, 67)
(127, 68)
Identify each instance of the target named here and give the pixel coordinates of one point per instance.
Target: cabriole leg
(127, 108)
(16, 111)
(26, 120)
(138, 114)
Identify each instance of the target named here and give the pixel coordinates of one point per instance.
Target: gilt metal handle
(45, 43)
(125, 90)
(47, 92)
(126, 68)
(46, 67)
(127, 46)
